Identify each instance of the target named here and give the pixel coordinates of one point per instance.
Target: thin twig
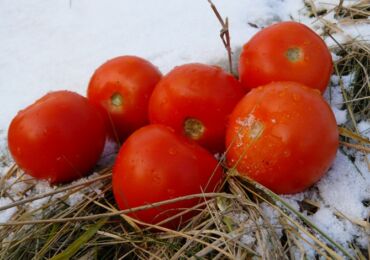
(224, 34)
(356, 146)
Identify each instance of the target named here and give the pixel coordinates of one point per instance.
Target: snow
(8, 213)
(342, 230)
(344, 188)
(340, 194)
(334, 96)
(248, 121)
(364, 128)
(51, 45)
(340, 115)
(350, 32)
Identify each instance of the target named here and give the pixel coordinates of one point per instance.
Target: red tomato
(122, 87)
(58, 138)
(156, 164)
(196, 100)
(286, 51)
(283, 135)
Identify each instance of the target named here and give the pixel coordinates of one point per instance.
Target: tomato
(286, 51)
(122, 87)
(196, 100)
(58, 138)
(283, 135)
(156, 164)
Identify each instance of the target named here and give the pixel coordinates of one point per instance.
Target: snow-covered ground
(51, 45)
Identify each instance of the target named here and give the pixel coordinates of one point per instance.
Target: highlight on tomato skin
(58, 138)
(156, 164)
(283, 135)
(196, 99)
(285, 51)
(121, 88)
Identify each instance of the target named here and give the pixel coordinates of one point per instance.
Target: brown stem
(224, 34)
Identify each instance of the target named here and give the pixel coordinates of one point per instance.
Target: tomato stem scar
(193, 128)
(294, 54)
(116, 99)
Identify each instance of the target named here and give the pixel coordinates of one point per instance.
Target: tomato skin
(264, 58)
(59, 138)
(156, 164)
(285, 134)
(196, 91)
(133, 79)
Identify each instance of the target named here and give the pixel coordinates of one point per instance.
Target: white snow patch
(347, 80)
(248, 239)
(340, 115)
(66, 43)
(307, 243)
(273, 217)
(75, 198)
(343, 188)
(364, 128)
(16, 186)
(41, 187)
(341, 229)
(5, 215)
(292, 200)
(334, 96)
(3, 170)
(348, 33)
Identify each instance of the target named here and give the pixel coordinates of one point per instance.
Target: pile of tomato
(272, 124)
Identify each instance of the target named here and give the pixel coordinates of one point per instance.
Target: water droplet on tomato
(172, 151)
(171, 193)
(156, 178)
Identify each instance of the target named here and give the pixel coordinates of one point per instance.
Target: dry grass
(231, 225)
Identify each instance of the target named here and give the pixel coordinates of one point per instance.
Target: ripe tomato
(196, 100)
(58, 138)
(156, 164)
(122, 87)
(283, 135)
(286, 51)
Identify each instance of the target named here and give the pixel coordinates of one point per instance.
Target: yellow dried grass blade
(347, 133)
(79, 242)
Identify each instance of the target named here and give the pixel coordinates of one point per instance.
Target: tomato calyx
(193, 128)
(116, 99)
(294, 54)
